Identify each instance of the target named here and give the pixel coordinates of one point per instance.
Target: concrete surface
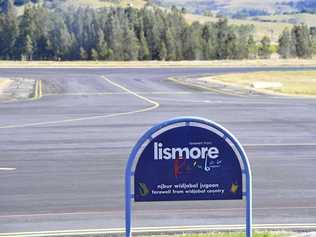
(67, 151)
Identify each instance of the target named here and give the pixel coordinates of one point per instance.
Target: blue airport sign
(187, 158)
(188, 163)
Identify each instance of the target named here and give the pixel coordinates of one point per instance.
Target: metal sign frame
(129, 173)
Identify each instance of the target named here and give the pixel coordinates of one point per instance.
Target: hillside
(298, 18)
(271, 29)
(108, 3)
(233, 7)
(78, 3)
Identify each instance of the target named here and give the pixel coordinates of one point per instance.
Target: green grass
(230, 234)
(300, 83)
(141, 64)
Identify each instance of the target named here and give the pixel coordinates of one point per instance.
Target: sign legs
(128, 204)
(249, 206)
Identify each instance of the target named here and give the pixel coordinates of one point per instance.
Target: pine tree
(264, 51)
(162, 51)
(231, 46)
(152, 32)
(44, 48)
(8, 31)
(61, 39)
(83, 54)
(94, 55)
(40, 34)
(130, 44)
(101, 46)
(192, 43)
(209, 42)
(302, 41)
(27, 51)
(116, 38)
(143, 53)
(313, 38)
(26, 33)
(222, 38)
(187, 40)
(252, 49)
(170, 45)
(129, 34)
(243, 34)
(285, 44)
(177, 25)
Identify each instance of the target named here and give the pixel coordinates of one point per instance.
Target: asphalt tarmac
(62, 157)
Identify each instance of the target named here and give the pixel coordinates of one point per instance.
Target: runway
(62, 157)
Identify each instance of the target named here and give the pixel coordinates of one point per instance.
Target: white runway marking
(163, 229)
(219, 101)
(121, 93)
(178, 212)
(7, 169)
(153, 106)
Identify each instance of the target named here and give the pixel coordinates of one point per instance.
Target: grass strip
(231, 234)
(145, 64)
(298, 83)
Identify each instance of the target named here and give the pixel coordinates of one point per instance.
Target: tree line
(131, 34)
(299, 42)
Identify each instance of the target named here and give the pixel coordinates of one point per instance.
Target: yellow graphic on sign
(234, 188)
(143, 190)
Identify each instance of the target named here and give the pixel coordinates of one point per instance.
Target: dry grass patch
(4, 82)
(301, 83)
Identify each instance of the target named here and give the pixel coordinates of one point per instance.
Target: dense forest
(131, 34)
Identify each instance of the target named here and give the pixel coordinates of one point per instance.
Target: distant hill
(78, 3)
(230, 8)
(241, 7)
(107, 3)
